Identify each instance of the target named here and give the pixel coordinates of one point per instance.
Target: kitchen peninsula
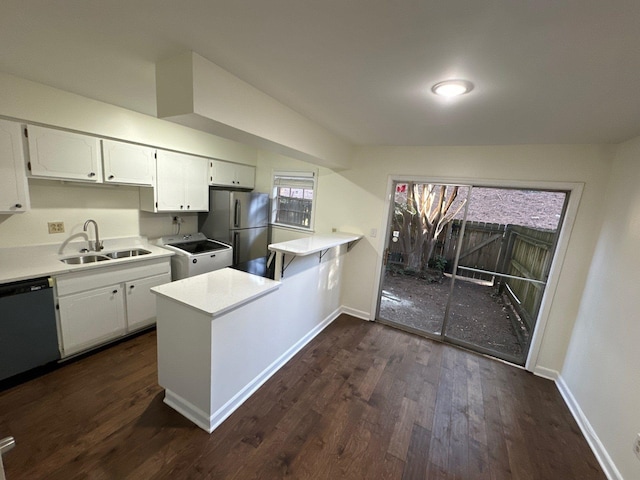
(222, 334)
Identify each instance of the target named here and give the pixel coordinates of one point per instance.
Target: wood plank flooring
(361, 401)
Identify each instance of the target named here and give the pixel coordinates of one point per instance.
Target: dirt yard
(477, 316)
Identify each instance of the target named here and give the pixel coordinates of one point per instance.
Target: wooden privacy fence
(496, 253)
(528, 255)
(480, 249)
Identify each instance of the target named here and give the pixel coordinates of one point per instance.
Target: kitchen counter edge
(24, 263)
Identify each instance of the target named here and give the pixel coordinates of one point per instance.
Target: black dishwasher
(28, 332)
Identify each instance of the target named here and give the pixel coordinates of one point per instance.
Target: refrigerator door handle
(236, 213)
(236, 248)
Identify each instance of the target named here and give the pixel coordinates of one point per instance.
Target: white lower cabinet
(92, 317)
(141, 303)
(103, 304)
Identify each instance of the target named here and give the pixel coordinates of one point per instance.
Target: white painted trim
(575, 194)
(547, 373)
(588, 432)
(382, 245)
(361, 314)
(187, 409)
(209, 424)
(312, 174)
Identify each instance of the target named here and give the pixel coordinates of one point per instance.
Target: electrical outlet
(373, 232)
(636, 446)
(56, 227)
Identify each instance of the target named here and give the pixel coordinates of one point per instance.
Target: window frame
(300, 176)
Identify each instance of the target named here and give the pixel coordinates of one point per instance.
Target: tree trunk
(414, 258)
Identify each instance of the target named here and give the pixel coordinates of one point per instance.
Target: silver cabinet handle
(111, 177)
(18, 205)
(91, 174)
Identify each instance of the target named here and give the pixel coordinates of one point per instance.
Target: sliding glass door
(468, 265)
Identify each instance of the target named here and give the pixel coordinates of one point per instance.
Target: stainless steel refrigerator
(240, 219)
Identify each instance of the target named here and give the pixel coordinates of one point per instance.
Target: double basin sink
(82, 259)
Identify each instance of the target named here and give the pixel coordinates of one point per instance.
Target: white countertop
(217, 292)
(22, 263)
(314, 243)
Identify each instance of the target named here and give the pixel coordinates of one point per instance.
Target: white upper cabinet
(181, 184)
(196, 187)
(128, 163)
(64, 155)
(235, 175)
(14, 192)
(245, 176)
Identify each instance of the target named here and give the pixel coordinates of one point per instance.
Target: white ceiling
(545, 71)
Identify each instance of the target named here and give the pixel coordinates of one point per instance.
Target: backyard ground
(478, 315)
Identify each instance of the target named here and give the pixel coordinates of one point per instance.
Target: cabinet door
(128, 163)
(245, 176)
(196, 189)
(170, 181)
(14, 192)
(141, 303)
(90, 318)
(64, 155)
(222, 173)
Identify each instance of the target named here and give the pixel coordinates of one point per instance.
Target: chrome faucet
(97, 245)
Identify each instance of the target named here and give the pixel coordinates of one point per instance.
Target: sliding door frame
(574, 190)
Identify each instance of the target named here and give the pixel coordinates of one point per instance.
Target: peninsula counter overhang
(309, 245)
(218, 292)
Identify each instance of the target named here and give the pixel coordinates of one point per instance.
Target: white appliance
(196, 254)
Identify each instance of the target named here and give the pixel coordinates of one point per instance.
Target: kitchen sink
(127, 253)
(82, 259)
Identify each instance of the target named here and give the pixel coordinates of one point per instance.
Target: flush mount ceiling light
(452, 88)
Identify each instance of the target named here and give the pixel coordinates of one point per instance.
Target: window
(293, 195)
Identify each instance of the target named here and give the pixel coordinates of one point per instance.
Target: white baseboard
(547, 373)
(355, 313)
(589, 433)
(187, 409)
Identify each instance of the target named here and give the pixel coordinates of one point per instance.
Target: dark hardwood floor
(361, 401)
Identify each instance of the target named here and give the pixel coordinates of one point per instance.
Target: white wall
(268, 162)
(116, 209)
(196, 92)
(599, 370)
(355, 199)
(351, 200)
(601, 367)
(33, 102)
